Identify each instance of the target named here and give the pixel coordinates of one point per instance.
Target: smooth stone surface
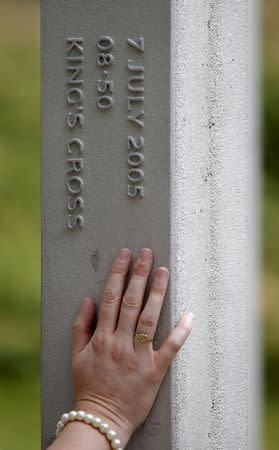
(197, 168)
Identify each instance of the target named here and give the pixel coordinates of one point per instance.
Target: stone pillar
(145, 144)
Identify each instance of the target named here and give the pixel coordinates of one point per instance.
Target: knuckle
(174, 346)
(77, 327)
(130, 302)
(99, 341)
(119, 268)
(140, 269)
(158, 289)
(111, 296)
(118, 352)
(148, 321)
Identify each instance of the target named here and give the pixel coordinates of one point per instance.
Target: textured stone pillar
(145, 144)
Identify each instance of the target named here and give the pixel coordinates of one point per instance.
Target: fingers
(133, 297)
(149, 317)
(113, 291)
(174, 341)
(82, 329)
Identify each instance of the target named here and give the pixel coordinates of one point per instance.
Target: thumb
(174, 341)
(82, 329)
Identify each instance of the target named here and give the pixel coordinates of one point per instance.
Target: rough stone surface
(209, 205)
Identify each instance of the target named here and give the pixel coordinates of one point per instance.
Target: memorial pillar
(145, 144)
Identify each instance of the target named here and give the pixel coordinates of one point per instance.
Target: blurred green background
(20, 223)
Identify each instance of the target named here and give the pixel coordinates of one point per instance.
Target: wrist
(123, 428)
(79, 435)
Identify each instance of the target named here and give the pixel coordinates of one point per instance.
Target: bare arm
(116, 377)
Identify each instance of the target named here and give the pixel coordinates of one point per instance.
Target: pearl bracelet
(94, 421)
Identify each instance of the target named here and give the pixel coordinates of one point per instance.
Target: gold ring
(143, 337)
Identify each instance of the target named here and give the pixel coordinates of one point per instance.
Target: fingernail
(124, 254)
(191, 316)
(161, 274)
(145, 255)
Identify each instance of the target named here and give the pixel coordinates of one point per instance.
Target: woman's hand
(115, 376)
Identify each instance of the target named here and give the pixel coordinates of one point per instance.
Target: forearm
(80, 436)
